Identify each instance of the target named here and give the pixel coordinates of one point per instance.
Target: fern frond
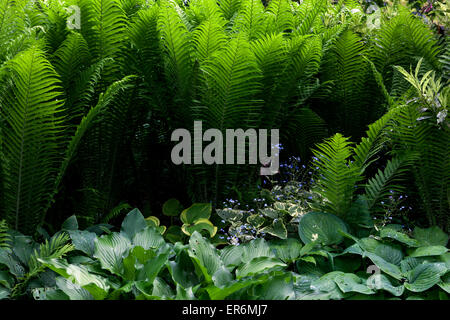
(336, 179)
(208, 38)
(5, 237)
(278, 17)
(250, 19)
(380, 186)
(33, 135)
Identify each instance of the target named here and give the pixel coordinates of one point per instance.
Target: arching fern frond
(33, 131)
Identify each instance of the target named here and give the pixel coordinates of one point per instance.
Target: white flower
(314, 237)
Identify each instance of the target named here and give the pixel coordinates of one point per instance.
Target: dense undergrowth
(91, 91)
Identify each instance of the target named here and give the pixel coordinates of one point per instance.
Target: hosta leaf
(183, 270)
(216, 293)
(325, 287)
(6, 279)
(381, 282)
(172, 208)
(110, 250)
(4, 293)
(195, 212)
(232, 255)
(258, 265)
(321, 226)
(97, 286)
(73, 290)
(350, 282)
(432, 236)
(200, 225)
(276, 288)
(389, 268)
(71, 223)
(148, 238)
(83, 241)
(133, 223)
(389, 253)
(445, 283)
(205, 255)
(409, 263)
(286, 250)
(256, 248)
(429, 251)
(277, 229)
(399, 236)
(425, 276)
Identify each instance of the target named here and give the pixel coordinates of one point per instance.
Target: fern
(336, 179)
(33, 134)
(5, 238)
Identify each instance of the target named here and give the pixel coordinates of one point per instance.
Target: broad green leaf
(183, 270)
(432, 236)
(83, 241)
(148, 238)
(4, 292)
(216, 293)
(232, 255)
(97, 286)
(195, 212)
(174, 234)
(325, 288)
(286, 250)
(381, 282)
(73, 290)
(359, 214)
(133, 223)
(70, 224)
(389, 268)
(425, 276)
(399, 236)
(389, 253)
(429, 251)
(205, 255)
(254, 249)
(172, 208)
(350, 282)
(258, 265)
(6, 279)
(321, 227)
(110, 250)
(279, 287)
(445, 283)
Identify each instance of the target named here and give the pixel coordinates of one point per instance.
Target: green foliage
(137, 263)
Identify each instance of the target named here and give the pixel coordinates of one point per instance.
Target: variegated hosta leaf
(110, 250)
(97, 286)
(148, 238)
(73, 290)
